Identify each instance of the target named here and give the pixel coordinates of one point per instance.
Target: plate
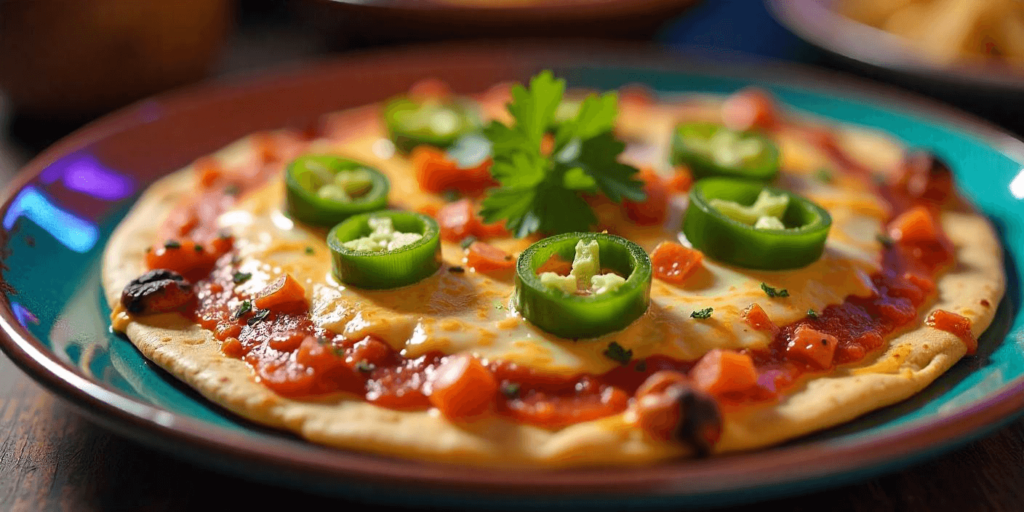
(817, 22)
(59, 212)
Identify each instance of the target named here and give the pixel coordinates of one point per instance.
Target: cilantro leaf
(615, 352)
(772, 292)
(702, 314)
(541, 190)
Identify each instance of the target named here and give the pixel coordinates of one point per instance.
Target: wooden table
(52, 458)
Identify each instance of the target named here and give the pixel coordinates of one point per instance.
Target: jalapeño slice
(437, 122)
(731, 236)
(363, 257)
(569, 315)
(710, 149)
(324, 190)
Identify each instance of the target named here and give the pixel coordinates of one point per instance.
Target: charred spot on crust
(700, 421)
(156, 291)
(925, 176)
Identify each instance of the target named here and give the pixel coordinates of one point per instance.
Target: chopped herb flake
(241, 277)
(199, 248)
(232, 190)
(456, 270)
(365, 366)
(309, 250)
(811, 313)
(450, 196)
(243, 309)
(498, 305)
(258, 316)
(885, 239)
(615, 352)
(772, 292)
(468, 241)
(824, 175)
(322, 340)
(702, 314)
(641, 365)
(172, 244)
(510, 389)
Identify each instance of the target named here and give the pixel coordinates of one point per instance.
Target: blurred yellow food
(948, 31)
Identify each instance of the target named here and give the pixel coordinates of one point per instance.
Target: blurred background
(64, 63)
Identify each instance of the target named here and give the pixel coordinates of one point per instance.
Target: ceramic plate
(59, 212)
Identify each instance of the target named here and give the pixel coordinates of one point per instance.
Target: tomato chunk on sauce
(724, 371)
(437, 173)
(458, 221)
(673, 262)
(812, 346)
(463, 388)
(284, 293)
(750, 108)
(958, 325)
(653, 209)
(916, 225)
(487, 258)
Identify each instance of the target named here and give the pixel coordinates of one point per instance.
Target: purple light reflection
(75, 233)
(23, 315)
(83, 173)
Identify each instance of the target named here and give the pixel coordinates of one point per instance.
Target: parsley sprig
(541, 191)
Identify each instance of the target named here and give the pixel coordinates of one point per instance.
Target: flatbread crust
(914, 359)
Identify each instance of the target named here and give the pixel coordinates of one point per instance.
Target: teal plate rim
(813, 462)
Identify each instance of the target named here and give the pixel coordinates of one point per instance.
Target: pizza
(541, 277)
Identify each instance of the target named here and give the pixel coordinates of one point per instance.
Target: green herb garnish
(824, 175)
(702, 314)
(615, 352)
(241, 277)
(172, 244)
(542, 191)
(199, 248)
(468, 241)
(811, 313)
(365, 366)
(258, 316)
(772, 292)
(885, 240)
(309, 250)
(450, 196)
(244, 308)
(510, 389)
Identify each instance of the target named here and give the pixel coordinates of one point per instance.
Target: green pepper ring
(405, 139)
(306, 207)
(765, 168)
(389, 269)
(733, 242)
(574, 317)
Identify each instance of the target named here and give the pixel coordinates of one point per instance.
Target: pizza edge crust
(913, 360)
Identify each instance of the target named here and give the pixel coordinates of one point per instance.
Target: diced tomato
(956, 324)
(458, 221)
(209, 171)
(916, 225)
(463, 388)
(924, 176)
(812, 346)
(638, 94)
(755, 317)
(750, 108)
(267, 147)
(487, 258)
(724, 371)
(371, 350)
(437, 173)
(555, 264)
(655, 207)
(925, 284)
(187, 258)
(681, 180)
(429, 88)
(673, 263)
(285, 341)
(225, 331)
(231, 347)
(284, 293)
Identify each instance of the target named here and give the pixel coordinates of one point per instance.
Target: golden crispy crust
(913, 360)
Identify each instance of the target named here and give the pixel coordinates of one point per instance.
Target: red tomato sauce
(295, 358)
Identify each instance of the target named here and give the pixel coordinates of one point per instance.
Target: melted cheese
(469, 312)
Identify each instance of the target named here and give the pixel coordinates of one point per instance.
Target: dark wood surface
(52, 458)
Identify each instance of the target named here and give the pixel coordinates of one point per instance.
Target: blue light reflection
(75, 233)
